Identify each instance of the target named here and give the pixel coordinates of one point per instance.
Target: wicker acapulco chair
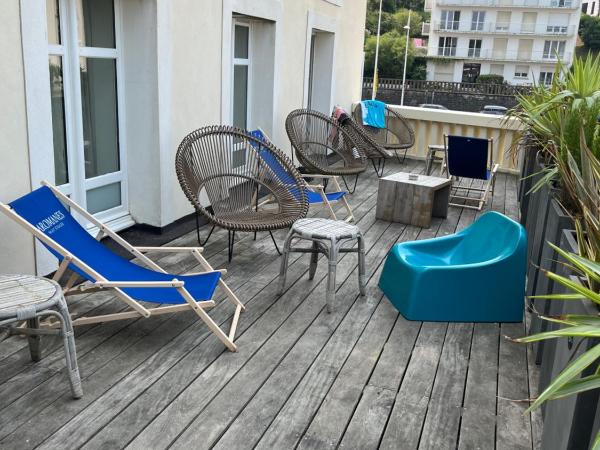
(397, 136)
(372, 149)
(222, 166)
(322, 146)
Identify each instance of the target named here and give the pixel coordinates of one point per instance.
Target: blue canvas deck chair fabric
(315, 193)
(469, 161)
(475, 275)
(43, 213)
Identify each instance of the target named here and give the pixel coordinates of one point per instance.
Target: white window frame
(546, 78)
(267, 10)
(447, 50)
(71, 52)
(242, 62)
(477, 20)
(520, 74)
(448, 20)
(475, 51)
(554, 48)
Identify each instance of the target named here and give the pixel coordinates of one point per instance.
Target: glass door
(89, 162)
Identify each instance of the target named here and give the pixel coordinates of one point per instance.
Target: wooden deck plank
(406, 418)
(513, 426)
(478, 426)
(441, 427)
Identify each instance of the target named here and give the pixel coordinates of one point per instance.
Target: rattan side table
(26, 297)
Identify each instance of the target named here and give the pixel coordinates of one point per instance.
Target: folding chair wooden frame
(482, 192)
(117, 286)
(319, 189)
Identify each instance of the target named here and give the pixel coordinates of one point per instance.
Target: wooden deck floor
(361, 377)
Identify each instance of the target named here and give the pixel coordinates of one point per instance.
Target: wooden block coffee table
(413, 202)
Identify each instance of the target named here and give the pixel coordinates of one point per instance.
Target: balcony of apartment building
(538, 4)
(490, 54)
(501, 28)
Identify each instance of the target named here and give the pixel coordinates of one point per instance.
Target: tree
(392, 46)
(394, 21)
(589, 31)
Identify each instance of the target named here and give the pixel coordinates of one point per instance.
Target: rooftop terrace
(359, 377)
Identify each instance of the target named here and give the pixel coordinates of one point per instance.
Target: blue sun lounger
(315, 194)
(42, 212)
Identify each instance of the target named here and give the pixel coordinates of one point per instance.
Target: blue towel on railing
(373, 113)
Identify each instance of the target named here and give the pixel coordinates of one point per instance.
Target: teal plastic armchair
(476, 275)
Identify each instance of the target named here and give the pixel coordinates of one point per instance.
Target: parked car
(494, 109)
(432, 106)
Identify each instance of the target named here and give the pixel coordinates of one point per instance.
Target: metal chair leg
(348, 187)
(274, 242)
(202, 244)
(230, 242)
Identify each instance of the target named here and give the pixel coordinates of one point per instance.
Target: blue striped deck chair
(44, 214)
(315, 193)
(469, 159)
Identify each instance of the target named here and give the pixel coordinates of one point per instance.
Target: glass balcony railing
(567, 4)
(491, 54)
(502, 28)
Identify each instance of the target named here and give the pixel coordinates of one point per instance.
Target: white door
(84, 66)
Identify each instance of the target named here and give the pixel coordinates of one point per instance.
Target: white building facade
(98, 94)
(520, 40)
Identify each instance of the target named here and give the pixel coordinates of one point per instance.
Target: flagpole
(407, 27)
(375, 72)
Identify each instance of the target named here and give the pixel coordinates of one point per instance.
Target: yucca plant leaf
(585, 266)
(558, 296)
(570, 372)
(596, 443)
(577, 386)
(577, 287)
(586, 331)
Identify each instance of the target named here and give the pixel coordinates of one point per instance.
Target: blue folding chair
(470, 158)
(315, 194)
(43, 213)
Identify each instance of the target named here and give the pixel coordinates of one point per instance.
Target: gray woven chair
(224, 167)
(322, 146)
(398, 135)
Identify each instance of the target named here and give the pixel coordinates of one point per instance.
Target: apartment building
(97, 94)
(518, 39)
(591, 8)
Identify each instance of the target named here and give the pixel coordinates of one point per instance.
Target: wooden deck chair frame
(482, 192)
(139, 252)
(320, 189)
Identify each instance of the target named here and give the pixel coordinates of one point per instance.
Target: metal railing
(537, 29)
(447, 86)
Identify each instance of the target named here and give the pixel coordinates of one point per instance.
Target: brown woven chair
(397, 136)
(372, 149)
(224, 167)
(322, 146)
